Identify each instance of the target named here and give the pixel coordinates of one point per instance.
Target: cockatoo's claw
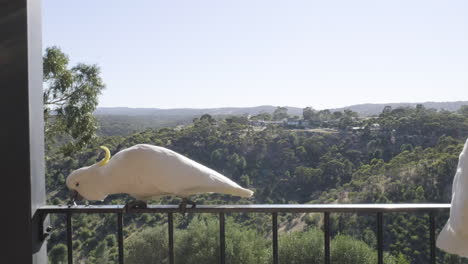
(135, 205)
(71, 203)
(192, 203)
(183, 205)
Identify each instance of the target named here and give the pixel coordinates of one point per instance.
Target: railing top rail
(252, 208)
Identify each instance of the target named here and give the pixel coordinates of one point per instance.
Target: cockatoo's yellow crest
(106, 158)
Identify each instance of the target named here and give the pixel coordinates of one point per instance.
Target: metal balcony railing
(273, 209)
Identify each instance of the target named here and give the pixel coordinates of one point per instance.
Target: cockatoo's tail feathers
(454, 236)
(246, 193)
(452, 242)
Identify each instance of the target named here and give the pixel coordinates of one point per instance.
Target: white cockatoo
(454, 236)
(146, 171)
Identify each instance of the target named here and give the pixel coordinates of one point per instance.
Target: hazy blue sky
(200, 53)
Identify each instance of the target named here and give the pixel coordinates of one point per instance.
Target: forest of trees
(411, 158)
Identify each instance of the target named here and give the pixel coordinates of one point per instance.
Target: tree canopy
(70, 98)
(403, 155)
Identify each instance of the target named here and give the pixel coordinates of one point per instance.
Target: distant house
(330, 123)
(289, 123)
(375, 127)
(293, 122)
(296, 123)
(278, 122)
(262, 123)
(256, 122)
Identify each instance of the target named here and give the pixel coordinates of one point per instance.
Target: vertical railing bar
(222, 239)
(275, 237)
(380, 238)
(432, 237)
(69, 238)
(120, 237)
(170, 231)
(326, 227)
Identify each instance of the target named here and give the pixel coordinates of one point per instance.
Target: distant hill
(362, 109)
(125, 120)
(375, 109)
(222, 111)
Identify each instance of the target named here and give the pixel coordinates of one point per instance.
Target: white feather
(146, 171)
(454, 236)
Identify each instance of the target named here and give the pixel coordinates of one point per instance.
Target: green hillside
(410, 158)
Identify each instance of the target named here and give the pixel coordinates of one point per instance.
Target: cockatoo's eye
(77, 184)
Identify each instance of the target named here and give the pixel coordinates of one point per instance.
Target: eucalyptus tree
(70, 98)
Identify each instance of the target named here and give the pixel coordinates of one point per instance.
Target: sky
(219, 53)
